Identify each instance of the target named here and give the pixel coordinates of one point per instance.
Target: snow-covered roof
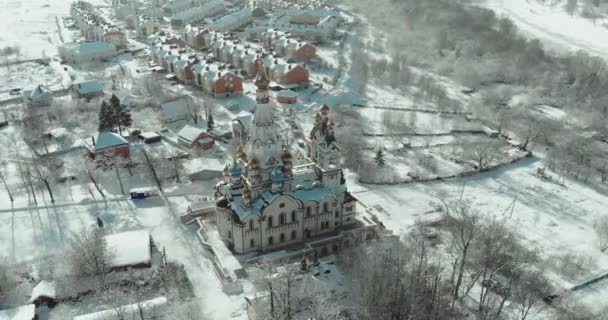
(288, 94)
(128, 100)
(149, 135)
(129, 248)
(27, 312)
(190, 133)
(313, 194)
(89, 86)
(108, 140)
(150, 308)
(44, 289)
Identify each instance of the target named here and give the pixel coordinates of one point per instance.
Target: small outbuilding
(132, 249)
(287, 97)
(149, 137)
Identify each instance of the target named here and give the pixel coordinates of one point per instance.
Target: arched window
(325, 207)
(270, 222)
(251, 243)
(270, 240)
(250, 224)
(229, 234)
(282, 218)
(294, 216)
(282, 237)
(294, 235)
(308, 211)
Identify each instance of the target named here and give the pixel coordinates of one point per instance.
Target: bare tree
(465, 226)
(89, 255)
(265, 272)
(528, 291)
(44, 171)
(92, 171)
(396, 126)
(3, 178)
(7, 279)
(482, 154)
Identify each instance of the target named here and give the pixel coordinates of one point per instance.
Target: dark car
(15, 91)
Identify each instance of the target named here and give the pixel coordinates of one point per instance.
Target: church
(265, 202)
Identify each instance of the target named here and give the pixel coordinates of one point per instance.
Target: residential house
(183, 69)
(177, 6)
(193, 137)
(179, 109)
(107, 145)
(88, 51)
(208, 9)
(39, 96)
(300, 50)
(194, 37)
(222, 83)
(146, 26)
(234, 20)
(44, 293)
(88, 89)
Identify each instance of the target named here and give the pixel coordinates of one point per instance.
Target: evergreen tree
(124, 117)
(379, 158)
(105, 118)
(210, 123)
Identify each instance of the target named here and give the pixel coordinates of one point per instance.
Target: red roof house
(107, 144)
(193, 137)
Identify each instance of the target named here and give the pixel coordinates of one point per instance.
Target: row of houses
(317, 24)
(94, 27)
(287, 46)
(198, 13)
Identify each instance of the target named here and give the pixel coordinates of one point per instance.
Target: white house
(87, 51)
(146, 26)
(39, 96)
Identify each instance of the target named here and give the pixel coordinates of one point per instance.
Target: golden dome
(254, 163)
(240, 151)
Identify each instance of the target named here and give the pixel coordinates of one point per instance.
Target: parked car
(142, 193)
(15, 91)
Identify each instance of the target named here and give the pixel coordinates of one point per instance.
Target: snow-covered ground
(553, 26)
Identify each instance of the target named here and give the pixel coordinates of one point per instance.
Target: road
(556, 29)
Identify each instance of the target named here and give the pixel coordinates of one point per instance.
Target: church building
(265, 202)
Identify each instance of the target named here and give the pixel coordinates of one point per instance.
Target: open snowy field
(553, 25)
(32, 25)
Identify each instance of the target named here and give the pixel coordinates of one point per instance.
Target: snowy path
(553, 26)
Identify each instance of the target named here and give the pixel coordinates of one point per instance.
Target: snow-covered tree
(210, 122)
(89, 255)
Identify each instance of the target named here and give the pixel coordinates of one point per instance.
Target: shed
(39, 96)
(149, 137)
(131, 249)
(287, 97)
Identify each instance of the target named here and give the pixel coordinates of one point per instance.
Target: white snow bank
(130, 248)
(151, 309)
(22, 313)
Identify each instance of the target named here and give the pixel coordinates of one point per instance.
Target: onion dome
(254, 163)
(227, 169)
(324, 110)
(277, 175)
(261, 80)
(286, 157)
(240, 152)
(235, 170)
(318, 117)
